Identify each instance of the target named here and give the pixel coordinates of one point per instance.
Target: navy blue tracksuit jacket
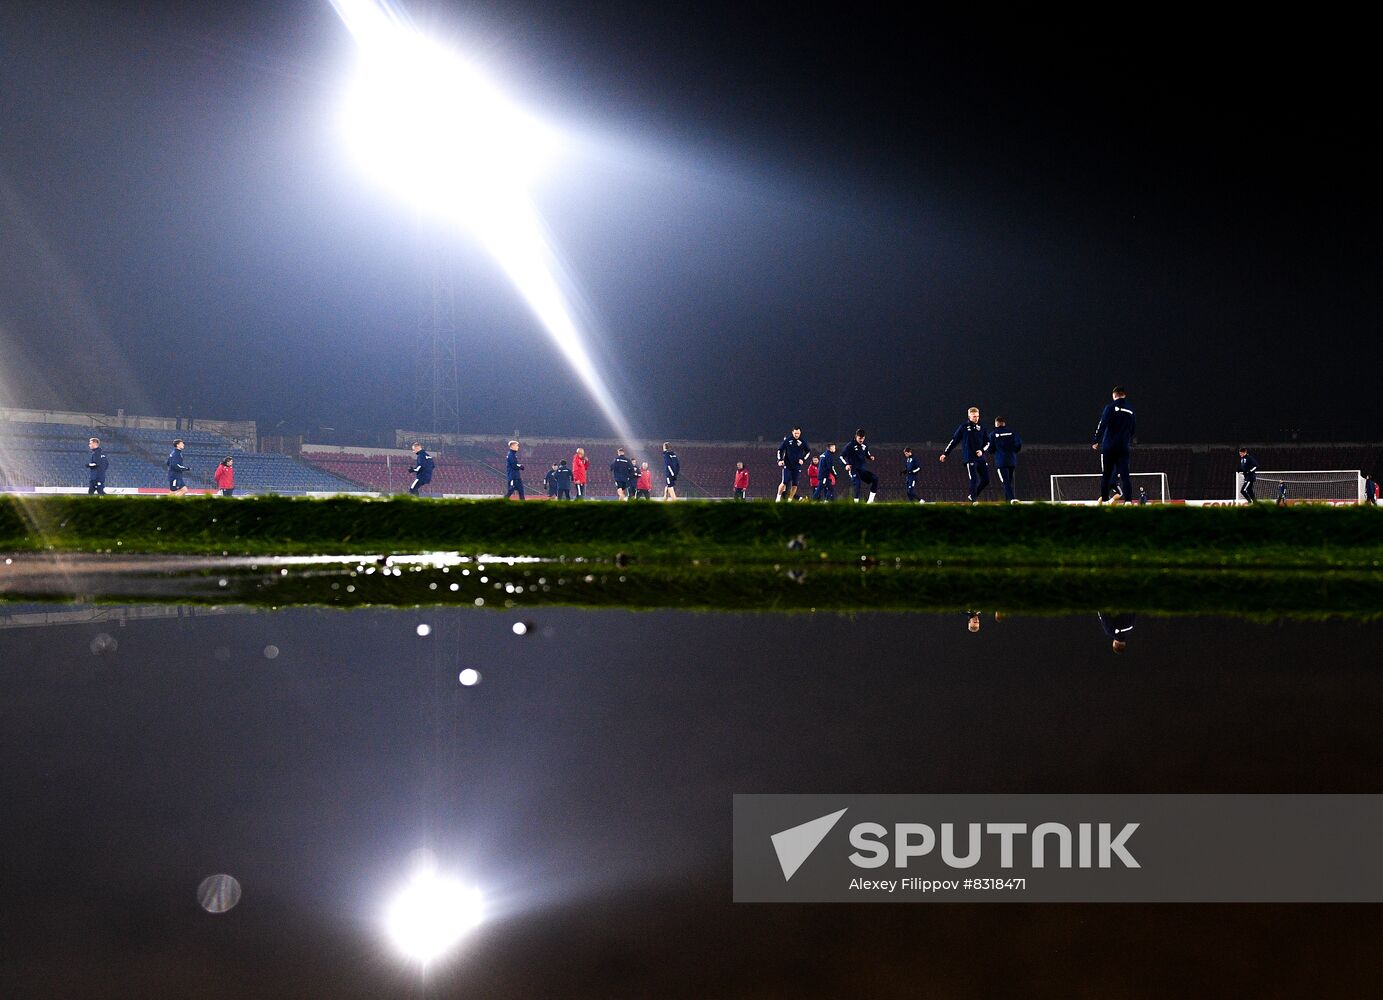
(623, 472)
(1248, 468)
(672, 465)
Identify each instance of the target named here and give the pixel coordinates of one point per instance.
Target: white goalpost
(1313, 486)
(1085, 488)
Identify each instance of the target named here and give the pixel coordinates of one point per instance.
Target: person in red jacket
(643, 486)
(741, 482)
(579, 464)
(814, 476)
(225, 476)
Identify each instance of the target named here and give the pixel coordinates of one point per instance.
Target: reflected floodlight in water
(427, 124)
(431, 914)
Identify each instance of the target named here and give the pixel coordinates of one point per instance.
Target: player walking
(912, 468)
(826, 474)
(96, 467)
(672, 466)
(1114, 441)
(974, 443)
(791, 454)
(857, 457)
(741, 482)
(1248, 468)
(579, 464)
(1006, 444)
(624, 474)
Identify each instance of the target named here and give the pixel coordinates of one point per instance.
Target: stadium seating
(47, 455)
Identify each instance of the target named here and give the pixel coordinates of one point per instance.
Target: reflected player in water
(1118, 625)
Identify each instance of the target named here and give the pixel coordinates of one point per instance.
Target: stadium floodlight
(431, 914)
(429, 125)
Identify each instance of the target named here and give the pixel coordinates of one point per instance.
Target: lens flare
(427, 124)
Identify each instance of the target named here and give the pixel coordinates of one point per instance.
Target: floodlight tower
(437, 377)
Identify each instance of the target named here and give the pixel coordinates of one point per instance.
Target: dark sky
(775, 215)
(586, 785)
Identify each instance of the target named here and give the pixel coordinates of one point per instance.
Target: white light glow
(430, 126)
(431, 914)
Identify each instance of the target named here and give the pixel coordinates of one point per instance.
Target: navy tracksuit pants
(1005, 474)
(979, 477)
(1114, 465)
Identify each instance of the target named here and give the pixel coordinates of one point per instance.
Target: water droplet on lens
(469, 677)
(270, 652)
(218, 893)
(103, 643)
(424, 630)
(521, 628)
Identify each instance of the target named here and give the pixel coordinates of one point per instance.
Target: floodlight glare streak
(427, 123)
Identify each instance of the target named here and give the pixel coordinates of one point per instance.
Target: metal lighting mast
(437, 382)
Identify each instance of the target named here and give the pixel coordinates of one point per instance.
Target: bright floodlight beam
(431, 914)
(431, 126)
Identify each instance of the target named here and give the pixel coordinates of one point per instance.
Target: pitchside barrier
(1313, 486)
(1085, 488)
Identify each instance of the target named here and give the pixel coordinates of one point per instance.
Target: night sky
(586, 785)
(776, 215)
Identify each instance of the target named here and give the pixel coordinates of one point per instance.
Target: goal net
(1085, 488)
(1316, 486)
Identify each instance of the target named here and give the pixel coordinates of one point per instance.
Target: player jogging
(513, 471)
(96, 467)
(177, 486)
(974, 443)
(791, 454)
(1248, 468)
(857, 457)
(422, 468)
(1005, 443)
(1114, 441)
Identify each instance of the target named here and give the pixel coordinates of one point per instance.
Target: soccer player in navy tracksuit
(1248, 468)
(422, 468)
(176, 484)
(550, 481)
(1114, 442)
(624, 475)
(1117, 625)
(1006, 444)
(96, 467)
(912, 468)
(513, 471)
(672, 467)
(974, 442)
(857, 457)
(825, 472)
(791, 454)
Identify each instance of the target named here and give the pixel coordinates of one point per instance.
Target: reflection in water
(586, 793)
(1118, 625)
